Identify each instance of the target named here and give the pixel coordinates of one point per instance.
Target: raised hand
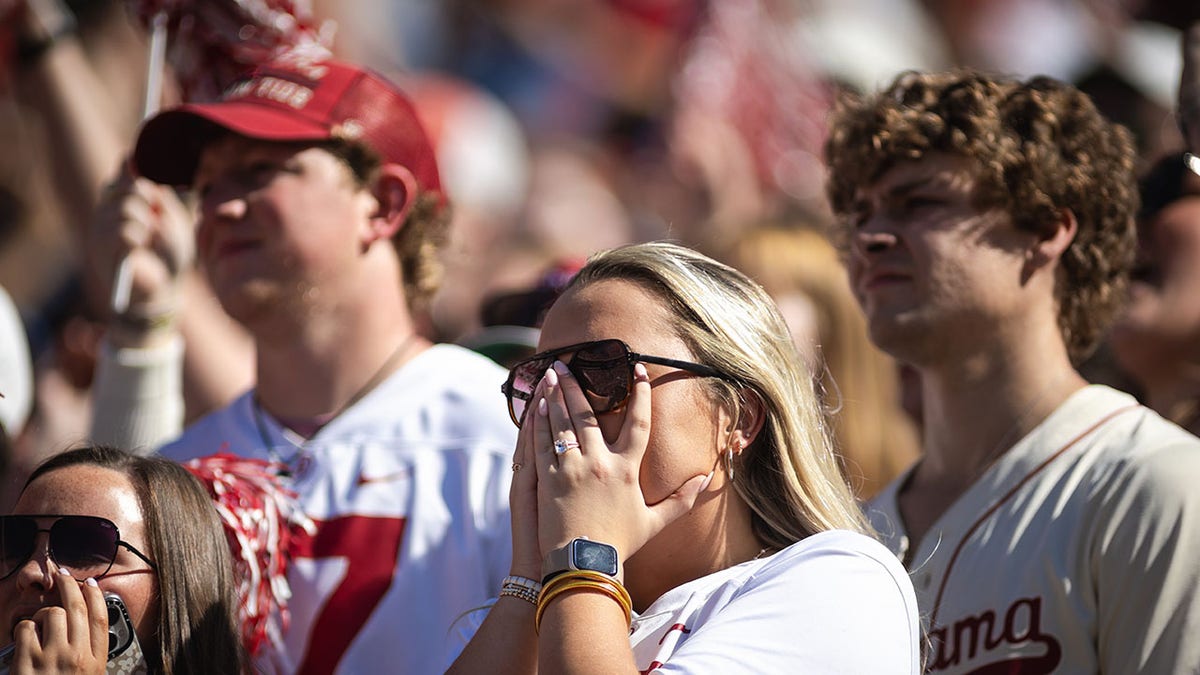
(592, 489)
(523, 498)
(141, 243)
(72, 638)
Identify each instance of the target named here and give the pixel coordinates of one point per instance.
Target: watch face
(594, 556)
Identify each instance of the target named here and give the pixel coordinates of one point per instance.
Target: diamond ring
(561, 446)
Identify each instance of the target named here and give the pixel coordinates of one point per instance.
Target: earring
(729, 462)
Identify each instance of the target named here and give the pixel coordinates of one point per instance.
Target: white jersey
(1078, 551)
(835, 602)
(408, 489)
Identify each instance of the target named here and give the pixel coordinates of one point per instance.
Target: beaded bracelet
(521, 587)
(582, 580)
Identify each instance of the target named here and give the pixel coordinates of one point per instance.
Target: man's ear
(1054, 241)
(395, 191)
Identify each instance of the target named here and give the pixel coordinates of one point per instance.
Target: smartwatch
(581, 553)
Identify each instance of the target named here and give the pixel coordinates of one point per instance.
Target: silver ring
(561, 447)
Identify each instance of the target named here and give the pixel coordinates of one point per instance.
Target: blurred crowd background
(567, 126)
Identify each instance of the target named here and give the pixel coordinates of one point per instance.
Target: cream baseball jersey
(408, 490)
(836, 602)
(1078, 551)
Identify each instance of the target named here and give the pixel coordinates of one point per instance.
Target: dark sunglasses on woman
(604, 370)
(84, 545)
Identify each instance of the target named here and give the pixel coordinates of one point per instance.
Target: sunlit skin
(924, 255)
(646, 479)
(955, 288)
(687, 429)
(302, 255)
(275, 222)
(83, 490)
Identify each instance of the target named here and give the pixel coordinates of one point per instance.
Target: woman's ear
(750, 420)
(395, 191)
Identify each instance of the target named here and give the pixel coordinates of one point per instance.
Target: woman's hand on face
(72, 638)
(592, 490)
(523, 498)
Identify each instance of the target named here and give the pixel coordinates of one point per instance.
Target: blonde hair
(859, 384)
(789, 475)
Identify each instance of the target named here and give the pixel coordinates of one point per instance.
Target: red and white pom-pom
(259, 515)
(213, 43)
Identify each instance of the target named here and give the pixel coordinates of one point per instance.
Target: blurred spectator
(1189, 88)
(512, 319)
(63, 339)
(16, 383)
(575, 205)
(485, 164)
(863, 43)
(76, 96)
(801, 270)
(1157, 339)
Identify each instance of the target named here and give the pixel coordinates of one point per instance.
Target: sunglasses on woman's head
(84, 545)
(604, 370)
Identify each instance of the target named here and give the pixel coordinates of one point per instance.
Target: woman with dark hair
(97, 520)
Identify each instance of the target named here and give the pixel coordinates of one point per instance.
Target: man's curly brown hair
(1040, 145)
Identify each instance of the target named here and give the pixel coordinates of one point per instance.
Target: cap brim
(169, 145)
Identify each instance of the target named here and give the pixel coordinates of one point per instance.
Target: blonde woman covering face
(676, 503)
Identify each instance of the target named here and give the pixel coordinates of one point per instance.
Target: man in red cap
(320, 216)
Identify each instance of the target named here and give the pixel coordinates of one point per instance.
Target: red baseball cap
(292, 99)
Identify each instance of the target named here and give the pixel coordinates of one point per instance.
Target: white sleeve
(137, 396)
(1146, 562)
(498, 523)
(462, 630)
(837, 610)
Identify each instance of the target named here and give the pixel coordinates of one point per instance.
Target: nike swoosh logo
(364, 479)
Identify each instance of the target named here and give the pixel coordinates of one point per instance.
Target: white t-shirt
(836, 602)
(409, 492)
(1078, 551)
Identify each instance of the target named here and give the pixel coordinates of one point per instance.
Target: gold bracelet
(622, 594)
(566, 577)
(583, 580)
(609, 589)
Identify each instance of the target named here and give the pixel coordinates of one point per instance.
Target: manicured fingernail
(640, 371)
(64, 571)
(552, 376)
(707, 480)
(562, 369)
(542, 407)
(91, 582)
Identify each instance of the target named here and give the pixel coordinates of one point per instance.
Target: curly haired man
(1051, 525)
